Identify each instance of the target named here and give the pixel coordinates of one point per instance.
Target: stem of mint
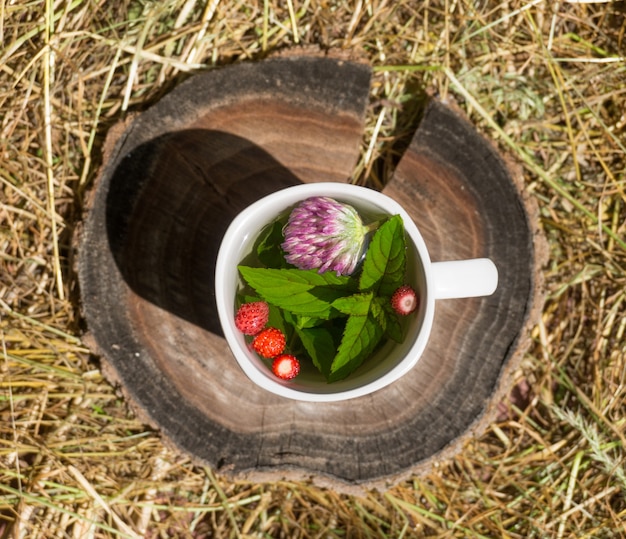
(338, 321)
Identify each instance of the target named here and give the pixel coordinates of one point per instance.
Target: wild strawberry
(404, 300)
(269, 343)
(286, 366)
(252, 317)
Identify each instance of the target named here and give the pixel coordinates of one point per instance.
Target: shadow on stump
(169, 204)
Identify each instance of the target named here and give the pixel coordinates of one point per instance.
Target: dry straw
(545, 80)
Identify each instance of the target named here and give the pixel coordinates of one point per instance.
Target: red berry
(252, 317)
(286, 366)
(404, 300)
(269, 343)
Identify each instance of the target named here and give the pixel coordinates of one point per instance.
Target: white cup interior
(388, 363)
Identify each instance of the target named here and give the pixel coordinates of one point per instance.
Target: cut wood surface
(172, 181)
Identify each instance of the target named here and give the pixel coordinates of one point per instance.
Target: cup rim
(239, 234)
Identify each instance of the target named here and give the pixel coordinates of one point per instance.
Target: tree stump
(171, 182)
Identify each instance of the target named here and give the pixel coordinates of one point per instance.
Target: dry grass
(545, 80)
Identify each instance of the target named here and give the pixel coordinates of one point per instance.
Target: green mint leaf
(278, 320)
(320, 346)
(269, 248)
(307, 293)
(389, 321)
(303, 322)
(385, 262)
(360, 337)
(357, 304)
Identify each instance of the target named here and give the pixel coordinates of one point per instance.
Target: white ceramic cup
(433, 280)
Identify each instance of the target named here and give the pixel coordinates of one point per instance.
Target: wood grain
(171, 184)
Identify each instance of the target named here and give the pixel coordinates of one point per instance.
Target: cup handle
(464, 278)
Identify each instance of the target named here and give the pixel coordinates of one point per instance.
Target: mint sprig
(360, 337)
(339, 320)
(268, 249)
(385, 263)
(303, 292)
